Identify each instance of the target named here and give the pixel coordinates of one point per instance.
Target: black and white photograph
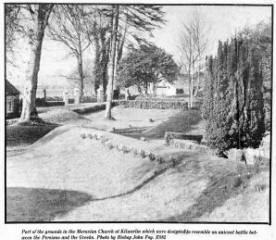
(137, 113)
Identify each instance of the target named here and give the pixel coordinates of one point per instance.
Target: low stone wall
(150, 104)
(169, 99)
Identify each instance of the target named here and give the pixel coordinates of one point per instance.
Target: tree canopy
(146, 64)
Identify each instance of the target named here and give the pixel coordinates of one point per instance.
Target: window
(9, 105)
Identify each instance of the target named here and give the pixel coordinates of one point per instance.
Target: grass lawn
(65, 177)
(130, 117)
(181, 121)
(124, 187)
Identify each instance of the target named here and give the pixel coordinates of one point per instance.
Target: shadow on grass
(41, 205)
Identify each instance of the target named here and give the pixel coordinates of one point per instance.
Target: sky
(222, 23)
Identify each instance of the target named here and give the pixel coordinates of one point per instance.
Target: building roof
(10, 89)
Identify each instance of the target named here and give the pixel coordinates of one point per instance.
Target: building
(180, 86)
(177, 87)
(165, 88)
(12, 100)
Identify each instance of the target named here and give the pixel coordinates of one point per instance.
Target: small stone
(135, 152)
(83, 135)
(120, 147)
(142, 153)
(110, 146)
(125, 149)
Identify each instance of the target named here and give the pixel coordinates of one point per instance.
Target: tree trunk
(198, 80)
(101, 63)
(81, 76)
(122, 42)
(105, 74)
(192, 91)
(97, 67)
(29, 107)
(80, 68)
(112, 63)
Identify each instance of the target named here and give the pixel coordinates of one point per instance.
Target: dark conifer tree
(235, 119)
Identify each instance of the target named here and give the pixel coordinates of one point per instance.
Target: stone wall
(148, 104)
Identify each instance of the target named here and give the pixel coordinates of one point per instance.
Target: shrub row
(145, 104)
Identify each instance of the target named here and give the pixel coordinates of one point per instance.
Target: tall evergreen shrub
(233, 98)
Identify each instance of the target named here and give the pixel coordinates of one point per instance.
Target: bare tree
(35, 29)
(69, 27)
(193, 45)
